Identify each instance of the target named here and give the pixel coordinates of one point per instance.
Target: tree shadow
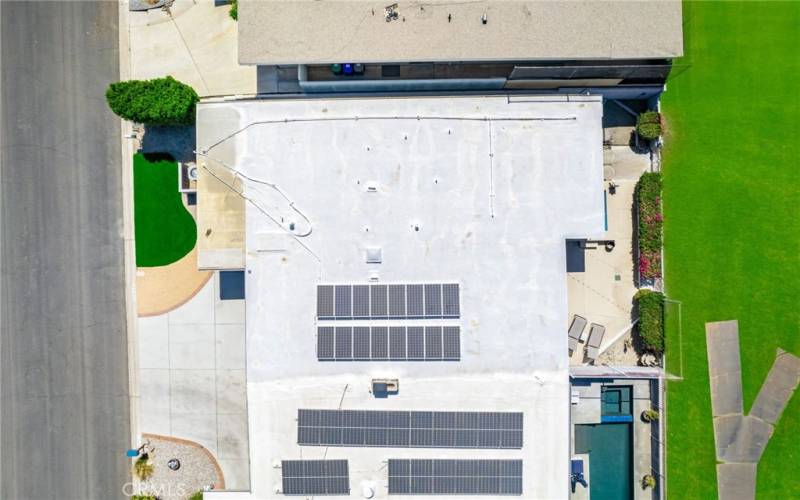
(178, 142)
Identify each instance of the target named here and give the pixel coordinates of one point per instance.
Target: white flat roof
(481, 191)
(336, 31)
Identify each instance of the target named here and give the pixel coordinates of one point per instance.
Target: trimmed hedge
(161, 101)
(648, 125)
(651, 320)
(648, 198)
(234, 12)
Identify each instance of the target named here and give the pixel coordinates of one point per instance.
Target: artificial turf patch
(731, 225)
(165, 231)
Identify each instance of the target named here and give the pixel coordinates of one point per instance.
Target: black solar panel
(344, 342)
(404, 429)
(361, 301)
(361, 343)
(455, 477)
(381, 343)
(325, 301)
(315, 477)
(397, 301)
(343, 301)
(325, 342)
(379, 301)
(397, 342)
(415, 305)
(433, 301)
(388, 301)
(450, 301)
(433, 342)
(451, 342)
(415, 340)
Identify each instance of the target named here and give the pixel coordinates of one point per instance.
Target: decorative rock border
(197, 463)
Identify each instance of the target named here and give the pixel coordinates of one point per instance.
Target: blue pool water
(610, 449)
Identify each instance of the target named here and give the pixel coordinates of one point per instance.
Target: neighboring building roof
(330, 31)
(479, 191)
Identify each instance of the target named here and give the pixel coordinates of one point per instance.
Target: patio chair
(596, 333)
(576, 331)
(576, 473)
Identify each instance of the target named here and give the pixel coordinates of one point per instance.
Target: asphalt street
(64, 421)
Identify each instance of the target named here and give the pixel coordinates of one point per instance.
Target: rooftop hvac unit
(383, 387)
(374, 255)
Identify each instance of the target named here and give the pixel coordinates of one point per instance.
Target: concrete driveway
(197, 45)
(192, 378)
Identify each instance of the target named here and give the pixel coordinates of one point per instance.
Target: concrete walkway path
(741, 439)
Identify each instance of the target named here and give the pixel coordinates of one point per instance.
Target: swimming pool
(610, 450)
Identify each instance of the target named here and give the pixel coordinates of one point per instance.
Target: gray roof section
(327, 31)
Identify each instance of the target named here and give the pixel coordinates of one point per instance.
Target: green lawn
(165, 231)
(732, 224)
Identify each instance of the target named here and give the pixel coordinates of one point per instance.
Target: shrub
(197, 495)
(162, 101)
(651, 320)
(650, 415)
(234, 12)
(648, 198)
(648, 125)
(143, 468)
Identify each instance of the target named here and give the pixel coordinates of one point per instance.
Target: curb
(128, 234)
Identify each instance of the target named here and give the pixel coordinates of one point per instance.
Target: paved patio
(603, 291)
(192, 378)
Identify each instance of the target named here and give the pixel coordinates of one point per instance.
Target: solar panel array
(392, 343)
(388, 301)
(455, 477)
(409, 429)
(315, 477)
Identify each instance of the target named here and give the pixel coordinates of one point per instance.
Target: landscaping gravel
(197, 470)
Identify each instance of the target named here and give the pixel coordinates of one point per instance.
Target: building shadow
(178, 142)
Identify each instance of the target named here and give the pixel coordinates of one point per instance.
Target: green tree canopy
(161, 101)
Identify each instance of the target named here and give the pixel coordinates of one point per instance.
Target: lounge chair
(576, 331)
(596, 333)
(576, 473)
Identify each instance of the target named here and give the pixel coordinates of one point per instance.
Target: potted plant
(648, 481)
(650, 415)
(648, 125)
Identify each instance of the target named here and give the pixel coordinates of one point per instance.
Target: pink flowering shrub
(648, 198)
